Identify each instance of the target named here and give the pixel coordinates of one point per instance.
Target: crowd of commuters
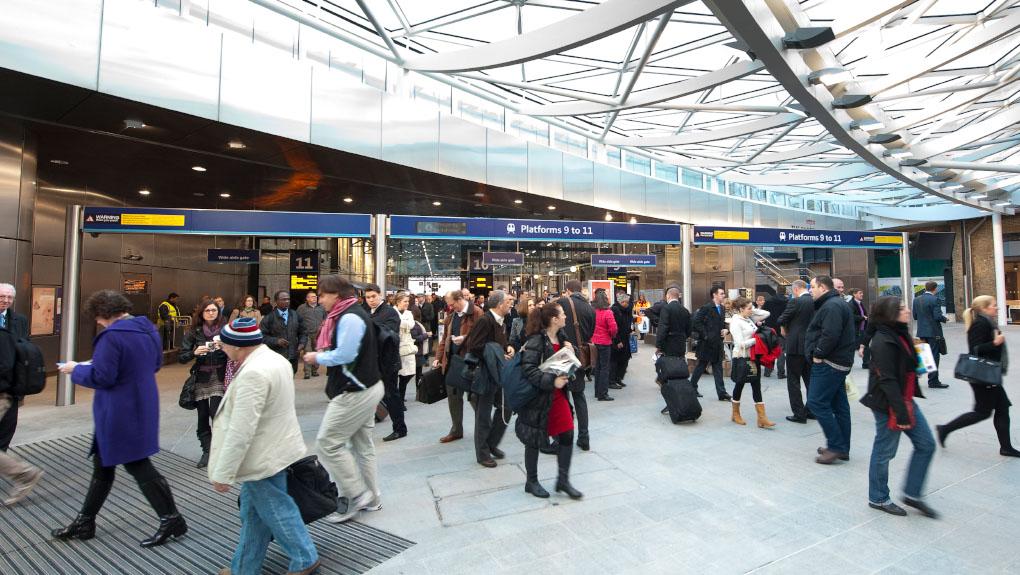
(244, 368)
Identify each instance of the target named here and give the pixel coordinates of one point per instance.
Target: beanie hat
(242, 332)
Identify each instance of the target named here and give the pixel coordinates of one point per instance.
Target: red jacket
(605, 327)
(761, 353)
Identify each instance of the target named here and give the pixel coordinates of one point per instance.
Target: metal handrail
(780, 275)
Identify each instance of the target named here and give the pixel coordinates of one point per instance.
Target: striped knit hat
(242, 332)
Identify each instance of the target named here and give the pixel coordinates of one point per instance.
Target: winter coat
(533, 421)
(256, 432)
(192, 339)
(605, 327)
(980, 340)
(775, 305)
(743, 330)
(831, 335)
(311, 321)
(709, 323)
(796, 318)
(891, 363)
(585, 319)
(408, 348)
(273, 330)
(17, 328)
(928, 314)
(674, 329)
(125, 407)
(471, 315)
(624, 328)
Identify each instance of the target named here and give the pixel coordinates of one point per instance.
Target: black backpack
(29, 369)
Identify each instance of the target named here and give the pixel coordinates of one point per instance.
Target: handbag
(431, 387)
(975, 369)
(740, 371)
(187, 398)
(308, 484)
(586, 351)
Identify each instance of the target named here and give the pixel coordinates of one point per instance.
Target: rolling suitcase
(681, 400)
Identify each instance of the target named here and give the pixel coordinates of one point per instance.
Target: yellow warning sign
(732, 235)
(162, 220)
(888, 239)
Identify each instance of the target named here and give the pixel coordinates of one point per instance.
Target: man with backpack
(387, 319)
(13, 327)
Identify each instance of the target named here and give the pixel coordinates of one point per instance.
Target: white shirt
(499, 318)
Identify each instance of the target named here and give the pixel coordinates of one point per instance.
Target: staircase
(777, 274)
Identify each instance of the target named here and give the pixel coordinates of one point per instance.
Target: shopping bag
(925, 358)
(643, 327)
(633, 343)
(852, 393)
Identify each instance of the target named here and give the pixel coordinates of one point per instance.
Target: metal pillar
(999, 257)
(380, 251)
(69, 306)
(905, 284)
(687, 238)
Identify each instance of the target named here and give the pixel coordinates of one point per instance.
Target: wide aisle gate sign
(439, 228)
(797, 238)
(226, 222)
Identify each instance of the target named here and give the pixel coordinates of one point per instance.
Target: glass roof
(670, 80)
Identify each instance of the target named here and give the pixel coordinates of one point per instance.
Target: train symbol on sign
(510, 228)
(782, 236)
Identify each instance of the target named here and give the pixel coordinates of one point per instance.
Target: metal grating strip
(26, 547)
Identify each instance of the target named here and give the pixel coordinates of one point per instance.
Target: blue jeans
(268, 513)
(827, 401)
(886, 442)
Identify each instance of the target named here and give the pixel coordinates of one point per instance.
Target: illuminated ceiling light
(573, 269)
(552, 207)
(913, 162)
(198, 168)
(144, 192)
(437, 203)
(829, 76)
(225, 195)
(609, 217)
(867, 124)
(479, 195)
(60, 162)
(548, 245)
(518, 201)
(810, 37)
(851, 101)
(633, 220)
(883, 138)
(552, 273)
(348, 200)
(133, 124)
(236, 145)
(1000, 204)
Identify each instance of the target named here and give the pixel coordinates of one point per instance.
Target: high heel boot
(763, 421)
(84, 525)
(171, 524)
(532, 485)
(736, 414)
(204, 439)
(563, 479)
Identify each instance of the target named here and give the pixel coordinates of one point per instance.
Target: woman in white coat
(743, 325)
(408, 352)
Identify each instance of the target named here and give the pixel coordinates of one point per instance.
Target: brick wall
(983, 264)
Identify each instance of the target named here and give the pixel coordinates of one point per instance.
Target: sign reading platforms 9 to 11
(797, 238)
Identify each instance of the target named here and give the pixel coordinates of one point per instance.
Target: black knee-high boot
(84, 525)
(563, 460)
(531, 467)
(171, 524)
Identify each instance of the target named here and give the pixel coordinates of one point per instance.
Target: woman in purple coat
(125, 408)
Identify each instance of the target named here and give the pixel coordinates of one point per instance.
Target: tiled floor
(709, 497)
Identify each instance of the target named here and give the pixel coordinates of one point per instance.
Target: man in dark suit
(794, 322)
(384, 315)
(710, 325)
(929, 317)
(283, 330)
(22, 475)
(674, 326)
(776, 305)
(17, 325)
(578, 336)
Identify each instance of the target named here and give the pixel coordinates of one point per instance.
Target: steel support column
(905, 276)
(379, 236)
(69, 306)
(999, 257)
(687, 238)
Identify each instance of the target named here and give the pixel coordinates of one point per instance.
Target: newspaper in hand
(563, 362)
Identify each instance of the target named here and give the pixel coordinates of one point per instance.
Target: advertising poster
(44, 306)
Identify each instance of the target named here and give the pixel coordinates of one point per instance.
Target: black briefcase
(431, 387)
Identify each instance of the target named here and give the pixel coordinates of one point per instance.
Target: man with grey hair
(623, 313)
(793, 322)
(13, 326)
(489, 427)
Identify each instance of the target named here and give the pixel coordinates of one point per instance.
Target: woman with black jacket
(985, 340)
(550, 413)
(201, 344)
(892, 387)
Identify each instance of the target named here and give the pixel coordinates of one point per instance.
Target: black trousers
(564, 453)
(988, 399)
(797, 369)
(394, 402)
(402, 386)
(602, 370)
(933, 376)
(490, 423)
(206, 410)
(620, 368)
(102, 481)
(580, 410)
(717, 373)
(755, 381)
(9, 424)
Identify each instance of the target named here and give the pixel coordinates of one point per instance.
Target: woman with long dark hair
(126, 356)
(200, 344)
(985, 340)
(550, 413)
(246, 309)
(892, 387)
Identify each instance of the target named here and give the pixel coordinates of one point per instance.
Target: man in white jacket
(256, 436)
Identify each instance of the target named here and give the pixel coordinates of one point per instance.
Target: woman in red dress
(550, 413)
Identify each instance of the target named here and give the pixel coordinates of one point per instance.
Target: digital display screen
(304, 281)
(441, 228)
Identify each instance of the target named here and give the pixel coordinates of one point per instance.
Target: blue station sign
(226, 222)
(502, 259)
(797, 238)
(228, 256)
(623, 261)
(440, 228)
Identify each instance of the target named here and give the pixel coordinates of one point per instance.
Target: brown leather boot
(736, 414)
(763, 421)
